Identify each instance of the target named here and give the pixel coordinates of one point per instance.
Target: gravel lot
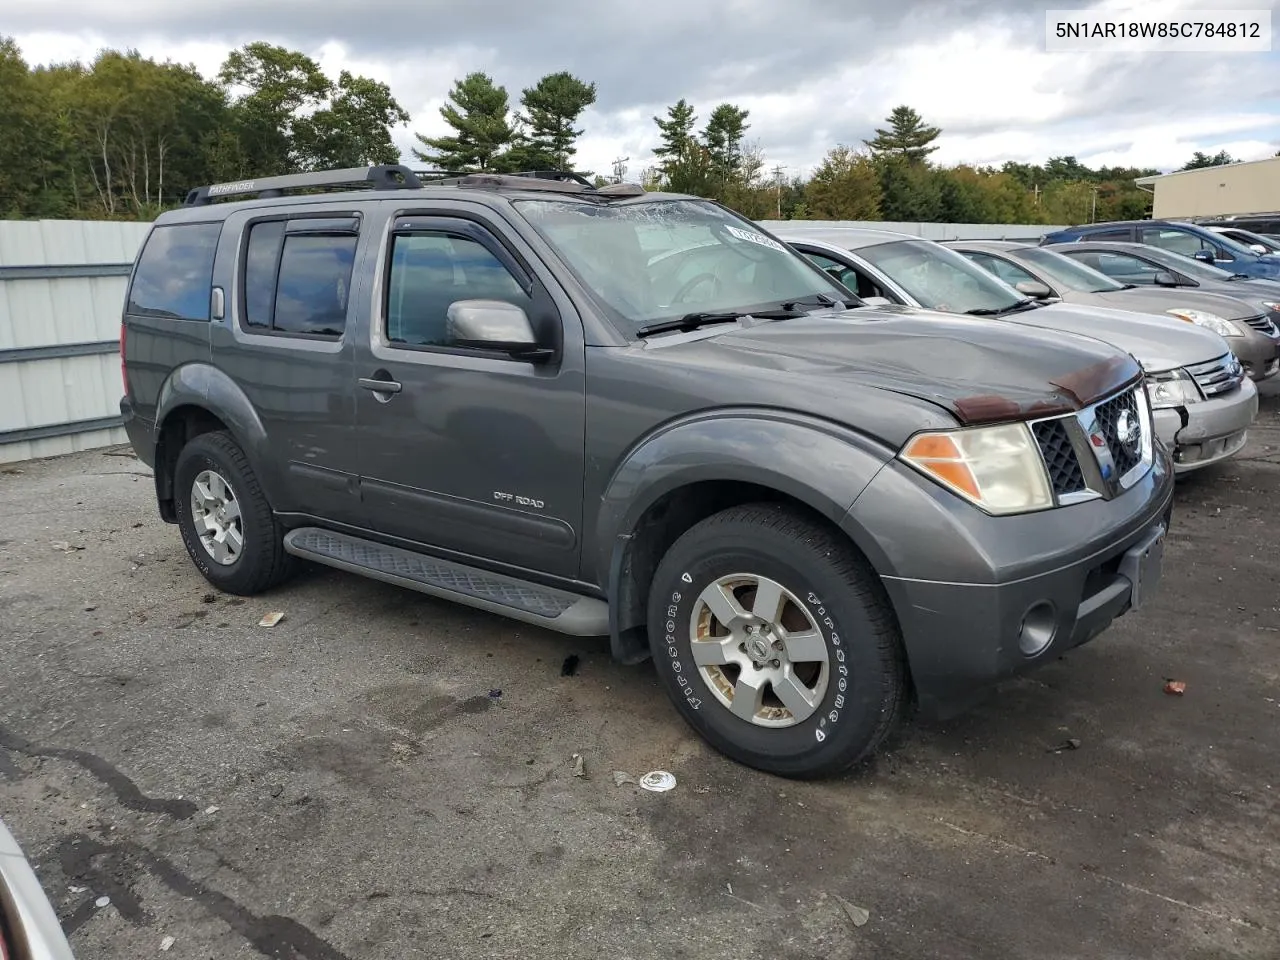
(349, 784)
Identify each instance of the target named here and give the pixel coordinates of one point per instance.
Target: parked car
(1048, 275)
(1266, 224)
(496, 390)
(1256, 242)
(29, 928)
(1188, 239)
(1204, 403)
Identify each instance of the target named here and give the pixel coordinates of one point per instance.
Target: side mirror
(1204, 256)
(1259, 249)
(495, 325)
(1165, 279)
(1034, 289)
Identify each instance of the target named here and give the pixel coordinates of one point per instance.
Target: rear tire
(227, 524)
(808, 676)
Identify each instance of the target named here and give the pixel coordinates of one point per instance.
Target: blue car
(1187, 239)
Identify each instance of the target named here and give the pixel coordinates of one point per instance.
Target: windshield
(659, 260)
(940, 278)
(1195, 269)
(1065, 272)
(1248, 237)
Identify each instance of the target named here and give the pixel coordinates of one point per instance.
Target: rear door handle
(379, 386)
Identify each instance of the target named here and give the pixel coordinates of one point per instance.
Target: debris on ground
(90, 608)
(1175, 688)
(570, 665)
(857, 915)
(212, 810)
(621, 778)
(271, 619)
(102, 902)
(277, 789)
(167, 943)
(578, 769)
(66, 547)
(1071, 744)
(77, 889)
(658, 781)
(209, 598)
(495, 694)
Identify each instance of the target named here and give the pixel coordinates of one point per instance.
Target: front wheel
(776, 642)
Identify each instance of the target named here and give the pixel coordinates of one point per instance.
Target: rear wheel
(776, 642)
(228, 527)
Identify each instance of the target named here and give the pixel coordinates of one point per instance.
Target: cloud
(812, 73)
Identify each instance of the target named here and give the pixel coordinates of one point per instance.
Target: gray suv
(637, 415)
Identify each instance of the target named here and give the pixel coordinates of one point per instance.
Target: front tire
(776, 642)
(228, 527)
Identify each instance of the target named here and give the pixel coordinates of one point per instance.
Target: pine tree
(547, 138)
(478, 114)
(677, 136)
(723, 136)
(906, 139)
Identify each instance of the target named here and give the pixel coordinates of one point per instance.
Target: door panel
(463, 449)
(285, 343)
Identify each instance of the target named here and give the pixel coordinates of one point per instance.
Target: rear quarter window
(175, 272)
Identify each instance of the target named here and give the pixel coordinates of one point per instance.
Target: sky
(812, 73)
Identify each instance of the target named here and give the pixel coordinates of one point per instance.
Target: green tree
(353, 130)
(1200, 160)
(280, 84)
(677, 135)
(909, 192)
(723, 136)
(547, 135)
(26, 131)
(906, 138)
(478, 115)
(846, 186)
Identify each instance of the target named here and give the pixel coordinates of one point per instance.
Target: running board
(518, 599)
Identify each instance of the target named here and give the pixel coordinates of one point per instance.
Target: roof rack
(387, 176)
(393, 176)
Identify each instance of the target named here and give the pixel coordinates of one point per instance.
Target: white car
(29, 928)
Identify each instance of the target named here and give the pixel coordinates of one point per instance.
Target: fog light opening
(1039, 624)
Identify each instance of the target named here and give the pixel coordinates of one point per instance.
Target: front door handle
(379, 386)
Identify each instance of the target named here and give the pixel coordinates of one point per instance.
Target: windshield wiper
(692, 321)
(816, 300)
(996, 311)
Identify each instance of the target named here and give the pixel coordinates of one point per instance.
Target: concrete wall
(62, 285)
(1212, 191)
(930, 231)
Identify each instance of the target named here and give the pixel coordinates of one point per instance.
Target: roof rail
(387, 176)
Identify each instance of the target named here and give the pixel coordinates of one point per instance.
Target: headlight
(1174, 388)
(1210, 321)
(998, 468)
(1271, 304)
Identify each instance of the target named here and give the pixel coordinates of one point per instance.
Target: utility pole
(1035, 190)
(619, 169)
(1093, 216)
(777, 180)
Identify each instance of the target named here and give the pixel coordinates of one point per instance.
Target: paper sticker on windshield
(758, 238)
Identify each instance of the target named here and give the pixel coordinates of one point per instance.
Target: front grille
(1059, 456)
(1217, 376)
(1126, 456)
(1263, 324)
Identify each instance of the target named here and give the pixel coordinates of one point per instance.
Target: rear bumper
(1201, 434)
(141, 432)
(1027, 588)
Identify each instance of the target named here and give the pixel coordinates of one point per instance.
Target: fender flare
(820, 464)
(205, 387)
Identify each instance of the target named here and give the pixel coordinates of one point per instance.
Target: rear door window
(174, 277)
(297, 276)
(1175, 241)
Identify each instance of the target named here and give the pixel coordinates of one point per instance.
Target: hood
(1158, 343)
(979, 370)
(1160, 299)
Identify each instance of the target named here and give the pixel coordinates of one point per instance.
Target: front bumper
(1208, 432)
(981, 598)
